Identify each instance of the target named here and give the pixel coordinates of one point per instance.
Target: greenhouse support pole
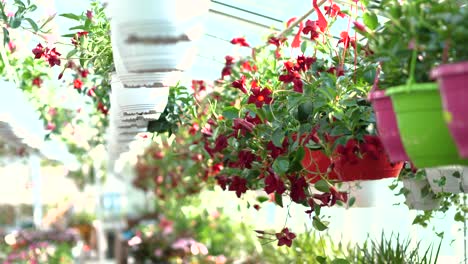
(35, 170)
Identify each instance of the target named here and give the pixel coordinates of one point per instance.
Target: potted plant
(417, 190)
(83, 221)
(452, 75)
(407, 42)
(450, 179)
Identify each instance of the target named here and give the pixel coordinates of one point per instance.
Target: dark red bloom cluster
(371, 146)
(227, 70)
(51, 55)
(278, 42)
(298, 186)
(275, 151)
(285, 237)
(77, 84)
(102, 108)
(293, 71)
(247, 66)
(240, 41)
(242, 127)
(335, 71)
(239, 185)
(273, 184)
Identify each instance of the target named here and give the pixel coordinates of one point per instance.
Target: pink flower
(89, 14)
(11, 46)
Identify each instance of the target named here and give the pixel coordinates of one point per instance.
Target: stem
(9, 69)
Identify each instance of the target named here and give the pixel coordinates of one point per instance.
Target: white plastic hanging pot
(156, 36)
(148, 80)
(148, 103)
(452, 179)
(415, 199)
(364, 192)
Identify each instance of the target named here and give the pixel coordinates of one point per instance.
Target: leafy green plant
(393, 250)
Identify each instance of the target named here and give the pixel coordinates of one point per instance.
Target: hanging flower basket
(156, 36)
(451, 179)
(416, 196)
(424, 133)
(452, 80)
(364, 161)
(387, 126)
(146, 102)
(318, 166)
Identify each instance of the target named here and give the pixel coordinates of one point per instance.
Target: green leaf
(322, 186)
(262, 199)
(304, 46)
(457, 174)
(277, 137)
(15, 22)
(281, 165)
(371, 20)
(33, 24)
(319, 225)
(321, 260)
(459, 217)
(340, 261)
(279, 199)
(71, 53)
(6, 36)
(71, 16)
(230, 112)
(351, 201)
(68, 35)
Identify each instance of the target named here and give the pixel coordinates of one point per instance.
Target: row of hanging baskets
(153, 43)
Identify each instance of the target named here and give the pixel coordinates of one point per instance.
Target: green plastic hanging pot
(424, 133)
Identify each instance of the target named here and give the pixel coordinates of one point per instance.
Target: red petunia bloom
(247, 67)
(221, 143)
(194, 128)
(346, 40)
(38, 51)
(260, 97)
(240, 41)
(239, 185)
(102, 108)
(229, 60)
(240, 84)
(311, 28)
(298, 185)
(222, 181)
(242, 127)
(273, 184)
(78, 84)
(275, 151)
(246, 157)
(53, 57)
(37, 81)
(91, 92)
(285, 237)
(227, 70)
(304, 63)
(333, 11)
(276, 41)
(83, 72)
(198, 85)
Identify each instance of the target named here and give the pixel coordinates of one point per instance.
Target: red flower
(50, 126)
(260, 97)
(285, 237)
(53, 57)
(240, 84)
(38, 51)
(274, 184)
(298, 184)
(304, 63)
(312, 28)
(276, 41)
(221, 143)
(246, 157)
(226, 71)
(333, 71)
(242, 127)
(91, 92)
(254, 120)
(240, 41)
(277, 151)
(78, 84)
(223, 181)
(89, 14)
(247, 67)
(198, 85)
(359, 27)
(102, 108)
(194, 128)
(76, 38)
(346, 40)
(239, 185)
(37, 81)
(11, 46)
(333, 11)
(84, 73)
(298, 85)
(229, 60)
